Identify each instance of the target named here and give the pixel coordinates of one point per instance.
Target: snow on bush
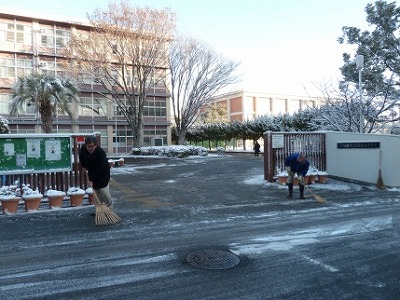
(75, 191)
(220, 150)
(28, 193)
(171, 151)
(10, 192)
(50, 193)
(4, 125)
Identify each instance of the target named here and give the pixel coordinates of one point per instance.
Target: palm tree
(47, 93)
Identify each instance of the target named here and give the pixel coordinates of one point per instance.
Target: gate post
(268, 157)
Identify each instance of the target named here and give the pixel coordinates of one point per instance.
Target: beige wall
(250, 105)
(363, 164)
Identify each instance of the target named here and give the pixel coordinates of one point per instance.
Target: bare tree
(213, 114)
(126, 52)
(340, 109)
(197, 74)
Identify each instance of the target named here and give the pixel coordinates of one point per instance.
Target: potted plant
(282, 177)
(31, 198)
(10, 197)
(312, 173)
(76, 196)
(322, 176)
(55, 197)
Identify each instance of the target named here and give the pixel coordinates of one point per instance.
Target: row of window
(13, 68)
(92, 106)
(123, 138)
(19, 33)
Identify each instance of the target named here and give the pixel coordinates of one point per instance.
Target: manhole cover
(213, 259)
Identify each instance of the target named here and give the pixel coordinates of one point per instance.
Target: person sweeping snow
(296, 163)
(94, 160)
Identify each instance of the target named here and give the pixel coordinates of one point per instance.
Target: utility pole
(360, 65)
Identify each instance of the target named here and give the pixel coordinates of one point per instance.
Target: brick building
(31, 44)
(244, 105)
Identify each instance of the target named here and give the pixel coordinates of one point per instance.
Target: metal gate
(279, 145)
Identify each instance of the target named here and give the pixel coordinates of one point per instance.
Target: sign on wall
(277, 141)
(358, 145)
(22, 154)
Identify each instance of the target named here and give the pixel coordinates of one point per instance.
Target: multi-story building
(244, 105)
(31, 44)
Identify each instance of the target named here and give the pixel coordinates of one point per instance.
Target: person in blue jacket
(296, 163)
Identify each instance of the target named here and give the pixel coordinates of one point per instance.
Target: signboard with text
(22, 154)
(358, 145)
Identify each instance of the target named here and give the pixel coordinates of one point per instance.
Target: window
(4, 102)
(150, 134)
(93, 106)
(48, 67)
(19, 33)
(24, 67)
(62, 38)
(85, 78)
(155, 107)
(159, 79)
(119, 112)
(47, 38)
(7, 68)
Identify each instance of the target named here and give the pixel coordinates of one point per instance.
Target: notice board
(34, 153)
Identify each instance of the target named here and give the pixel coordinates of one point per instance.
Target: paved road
(347, 248)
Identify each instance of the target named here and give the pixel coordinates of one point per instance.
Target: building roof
(42, 18)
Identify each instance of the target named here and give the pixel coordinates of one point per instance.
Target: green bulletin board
(38, 153)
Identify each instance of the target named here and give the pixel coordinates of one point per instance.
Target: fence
(279, 145)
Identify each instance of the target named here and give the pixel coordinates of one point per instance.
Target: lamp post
(360, 65)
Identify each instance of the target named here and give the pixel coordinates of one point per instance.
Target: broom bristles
(320, 199)
(316, 197)
(106, 216)
(380, 185)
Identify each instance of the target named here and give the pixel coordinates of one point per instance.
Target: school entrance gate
(279, 145)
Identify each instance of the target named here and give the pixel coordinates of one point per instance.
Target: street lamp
(360, 65)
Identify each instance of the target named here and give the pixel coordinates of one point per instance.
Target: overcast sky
(284, 46)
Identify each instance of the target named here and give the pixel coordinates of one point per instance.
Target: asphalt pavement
(207, 228)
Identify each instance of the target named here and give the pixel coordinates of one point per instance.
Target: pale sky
(284, 46)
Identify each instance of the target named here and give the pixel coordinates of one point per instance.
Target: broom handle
(96, 199)
(308, 189)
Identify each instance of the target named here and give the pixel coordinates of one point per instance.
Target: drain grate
(213, 259)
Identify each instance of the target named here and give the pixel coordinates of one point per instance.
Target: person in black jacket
(93, 159)
(256, 148)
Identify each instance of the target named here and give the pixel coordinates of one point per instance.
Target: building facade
(31, 44)
(244, 105)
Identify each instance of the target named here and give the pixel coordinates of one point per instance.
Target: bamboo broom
(380, 185)
(104, 215)
(316, 197)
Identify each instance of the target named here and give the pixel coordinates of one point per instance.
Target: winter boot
(301, 187)
(290, 186)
